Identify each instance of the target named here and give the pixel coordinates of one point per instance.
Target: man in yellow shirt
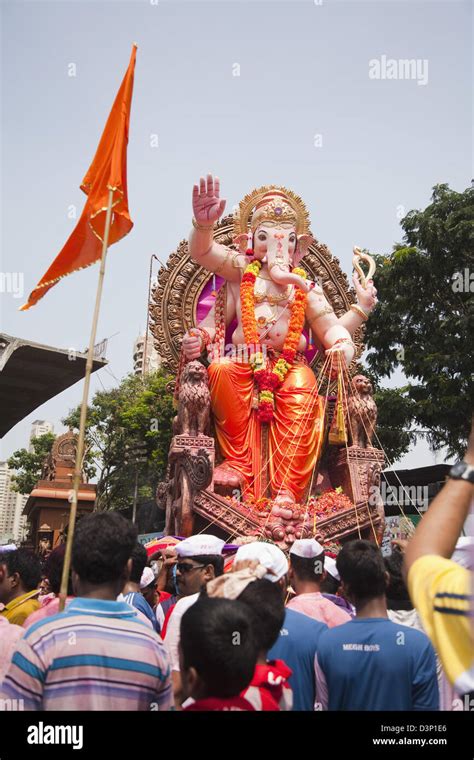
(20, 574)
(441, 590)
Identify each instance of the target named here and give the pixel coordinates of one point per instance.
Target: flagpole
(82, 424)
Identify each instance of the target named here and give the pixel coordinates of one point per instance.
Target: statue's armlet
(224, 261)
(319, 314)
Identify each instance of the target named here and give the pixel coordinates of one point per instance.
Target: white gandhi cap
(203, 543)
(268, 555)
(308, 548)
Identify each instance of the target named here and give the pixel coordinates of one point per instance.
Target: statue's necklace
(268, 380)
(271, 298)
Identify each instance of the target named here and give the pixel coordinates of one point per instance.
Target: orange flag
(107, 171)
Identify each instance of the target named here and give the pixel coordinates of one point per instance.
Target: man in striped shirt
(97, 655)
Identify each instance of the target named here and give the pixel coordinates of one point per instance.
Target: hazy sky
(303, 70)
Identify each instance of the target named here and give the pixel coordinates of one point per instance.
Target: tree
(139, 411)
(29, 465)
(424, 326)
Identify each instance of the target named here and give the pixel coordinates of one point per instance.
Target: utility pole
(136, 454)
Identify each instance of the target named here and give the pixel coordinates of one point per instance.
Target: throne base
(194, 506)
(231, 520)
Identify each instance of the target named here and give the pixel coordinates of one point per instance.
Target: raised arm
(332, 335)
(335, 333)
(208, 207)
(441, 526)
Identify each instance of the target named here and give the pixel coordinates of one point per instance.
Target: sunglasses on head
(184, 567)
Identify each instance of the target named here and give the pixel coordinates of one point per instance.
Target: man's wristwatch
(462, 471)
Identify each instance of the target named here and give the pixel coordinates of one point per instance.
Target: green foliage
(28, 465)
(424, 326)
(140, 410)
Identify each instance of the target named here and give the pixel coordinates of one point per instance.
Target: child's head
(218, 651)
(267, 608)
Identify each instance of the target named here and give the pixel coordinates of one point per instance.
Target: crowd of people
(193, 628)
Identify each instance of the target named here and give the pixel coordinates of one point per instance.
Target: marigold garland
(269, 380)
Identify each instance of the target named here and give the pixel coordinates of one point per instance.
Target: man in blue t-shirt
(371, 663)
(299, 636)
(297, 645)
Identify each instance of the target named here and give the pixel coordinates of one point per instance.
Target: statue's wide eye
(262, 236)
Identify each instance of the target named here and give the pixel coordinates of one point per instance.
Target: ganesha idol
(270, 388)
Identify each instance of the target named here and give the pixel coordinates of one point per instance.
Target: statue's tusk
(358, 255)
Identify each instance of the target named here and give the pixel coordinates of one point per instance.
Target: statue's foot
(284, 499)
(283, 505)
(226, 477)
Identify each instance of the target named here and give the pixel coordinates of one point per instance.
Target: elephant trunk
(282, 277)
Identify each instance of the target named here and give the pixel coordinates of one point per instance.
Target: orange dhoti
(294, 435)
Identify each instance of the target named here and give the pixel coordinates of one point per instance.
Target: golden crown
(271, 204)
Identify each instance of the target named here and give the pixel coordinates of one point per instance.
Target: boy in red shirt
(217, 653)
(250, 584)
(269, 688)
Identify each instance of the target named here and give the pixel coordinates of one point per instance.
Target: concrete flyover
(31, 374)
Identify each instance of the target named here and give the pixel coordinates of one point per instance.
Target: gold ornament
(198, 226)
(357, 258)
(360, 311)
(274, 205)
(271, 298)
(314, 315)
(263, 296)
(272, 318)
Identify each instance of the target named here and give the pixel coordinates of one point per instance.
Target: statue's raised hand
(208, 206)
(366, 297)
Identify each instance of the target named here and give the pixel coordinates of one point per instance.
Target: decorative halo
(247, 205)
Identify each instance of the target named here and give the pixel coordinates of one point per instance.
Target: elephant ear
(304, 241)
